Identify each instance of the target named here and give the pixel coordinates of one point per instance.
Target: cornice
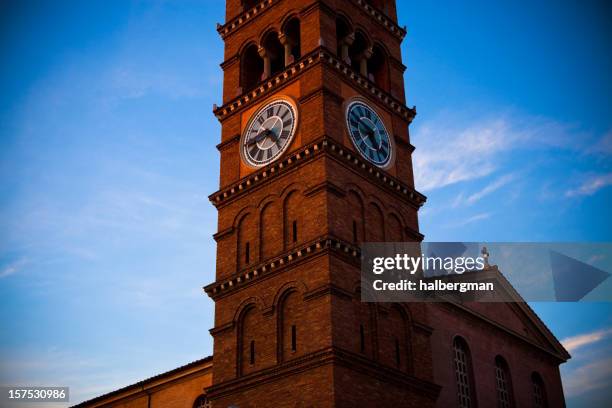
(245, 17)
(325, 356)
(249, 15)
(234, 139)
(275, 265)
(331, 148)
(381, 18)
(320, 54)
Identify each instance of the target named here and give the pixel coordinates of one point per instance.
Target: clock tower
(315, 159)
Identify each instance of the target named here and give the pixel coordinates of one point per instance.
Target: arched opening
(378, 68)
(503, 383)
(251, 68)
(464, 374)
(343, 39)
(539, 391)
(273, 54)
(359, 52)
(291, 41)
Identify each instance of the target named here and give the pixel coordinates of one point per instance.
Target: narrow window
(361, 339)
(539, 393)
(247, 253)
(503, 383)
(397, 352)
(293, 338)
(354, 231)
(294, 231)
(463, 374)
(252, 352)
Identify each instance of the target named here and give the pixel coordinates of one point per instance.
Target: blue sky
(108, 156)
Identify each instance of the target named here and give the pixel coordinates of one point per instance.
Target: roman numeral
(285, 113)
(284, 134)
(259, 155)
(270, 111)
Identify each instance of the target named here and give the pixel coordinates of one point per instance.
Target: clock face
(268, 133)
(368, 133)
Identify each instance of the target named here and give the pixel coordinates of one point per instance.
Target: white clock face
(368, 133)
(268, 133)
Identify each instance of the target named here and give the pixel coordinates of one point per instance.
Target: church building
(316, 158)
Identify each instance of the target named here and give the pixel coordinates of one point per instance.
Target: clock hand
(260, 136)
(371, 135)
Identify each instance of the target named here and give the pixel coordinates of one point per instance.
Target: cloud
(451, 150)
(474, 218)
(589, 377)
(603, 145)
(591, 185)
(576, 342)
(490, 188)
(13, 268)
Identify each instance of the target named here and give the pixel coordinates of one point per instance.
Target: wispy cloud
(449, 153)
(470, 220)
(591, 185)
(575, 342)
(13, 267)
(489, 188)
(593, 376)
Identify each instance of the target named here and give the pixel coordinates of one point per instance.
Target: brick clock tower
(315, 158)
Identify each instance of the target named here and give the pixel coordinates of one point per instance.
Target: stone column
(266, 62)
(345, 43)
(363, 62)
(287, 45)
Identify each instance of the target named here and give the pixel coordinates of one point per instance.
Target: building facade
(315, 159)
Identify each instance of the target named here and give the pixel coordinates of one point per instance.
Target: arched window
(378, 69)
(245, 240)
(201, 402)
(291, 326)
(291, 41)
(503, 383)
(463, 374)
(251, 68)
(248, 340)
(363, 318)
(539, 391)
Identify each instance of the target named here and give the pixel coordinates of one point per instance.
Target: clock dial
(268, 133)
(368, 133)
